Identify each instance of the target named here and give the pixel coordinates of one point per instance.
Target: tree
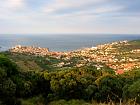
(133, 91)
(9, 67)
(111, 88)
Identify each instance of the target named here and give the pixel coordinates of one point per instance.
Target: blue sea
(63, 42)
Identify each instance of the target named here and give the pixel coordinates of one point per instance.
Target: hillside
(82, 77)
(121, 55)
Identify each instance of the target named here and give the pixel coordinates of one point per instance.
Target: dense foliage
(15, 84)
(84, 83)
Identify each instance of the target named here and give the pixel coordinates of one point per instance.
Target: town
(119, 56)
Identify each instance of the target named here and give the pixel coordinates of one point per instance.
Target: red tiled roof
(119, 71)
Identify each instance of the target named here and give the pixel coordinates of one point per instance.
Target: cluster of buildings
(107, 54)
(30, 50)
(136, 51)
(38, 51)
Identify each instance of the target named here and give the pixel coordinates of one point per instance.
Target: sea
(61, 42)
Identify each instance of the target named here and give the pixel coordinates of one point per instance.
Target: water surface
(61, 42)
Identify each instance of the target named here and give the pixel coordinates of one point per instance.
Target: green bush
(71, 102)
(38, 100)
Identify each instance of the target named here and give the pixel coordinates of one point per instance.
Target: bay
(64, 42)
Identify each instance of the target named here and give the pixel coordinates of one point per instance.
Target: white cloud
(10, 8)
(15, 3)
(57, 5)
(107, 9)
(11, 4)
(65, 16)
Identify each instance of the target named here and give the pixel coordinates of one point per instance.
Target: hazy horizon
(63, 34)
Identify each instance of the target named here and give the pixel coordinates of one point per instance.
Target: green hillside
(33, 63)
(35, 80)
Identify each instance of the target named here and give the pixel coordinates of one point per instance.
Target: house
(120, 71)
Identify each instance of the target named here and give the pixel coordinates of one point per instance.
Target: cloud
(15, 3)
(108, 9)
(70, 5)
(10, 8)
(11, 4)
(69, 16)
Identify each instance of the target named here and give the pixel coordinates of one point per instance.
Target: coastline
(62, 42)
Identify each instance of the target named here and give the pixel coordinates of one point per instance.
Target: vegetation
(32, 80)
(33, 63)
(76, 85)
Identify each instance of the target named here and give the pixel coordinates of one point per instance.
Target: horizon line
(68, 34)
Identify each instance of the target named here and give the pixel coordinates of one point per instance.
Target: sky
(69, 16)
